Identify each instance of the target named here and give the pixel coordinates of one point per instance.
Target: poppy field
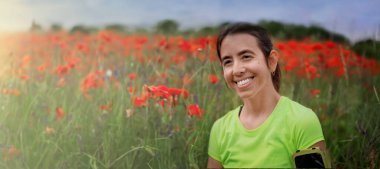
(107, 100)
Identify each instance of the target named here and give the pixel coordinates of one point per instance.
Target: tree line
(367, 47)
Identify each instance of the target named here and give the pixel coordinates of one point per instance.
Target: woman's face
(244, 65)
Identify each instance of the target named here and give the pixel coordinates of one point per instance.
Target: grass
(152, 136)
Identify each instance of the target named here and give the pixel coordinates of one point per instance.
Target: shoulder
(227, 119)
(304, 125)
(297, 111)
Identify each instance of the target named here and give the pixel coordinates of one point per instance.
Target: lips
(244, 82)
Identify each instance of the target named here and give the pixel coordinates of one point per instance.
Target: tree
(55, 27)
(116, 28)
(167, 27)
(35, 27)
(368, 48)
(83, 29)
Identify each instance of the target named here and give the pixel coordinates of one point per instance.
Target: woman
(268, 128)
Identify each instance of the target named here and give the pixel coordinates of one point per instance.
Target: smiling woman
(268, 128)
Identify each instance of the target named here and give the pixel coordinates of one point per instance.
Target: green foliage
(155, 137)
(83, 29)
(56, 27)
(368, 48)
(35, 27)
(167, 27)
(293, 31)
(116, 28)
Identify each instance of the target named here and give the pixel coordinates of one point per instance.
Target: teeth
(243, 82)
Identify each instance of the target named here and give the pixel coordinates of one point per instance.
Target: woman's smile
(244, 83)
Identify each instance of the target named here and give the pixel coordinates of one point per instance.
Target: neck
(261, 104)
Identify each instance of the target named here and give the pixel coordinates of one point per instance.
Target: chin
(244, 96)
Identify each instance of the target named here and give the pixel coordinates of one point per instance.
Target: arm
(321, 145)
(212, 163)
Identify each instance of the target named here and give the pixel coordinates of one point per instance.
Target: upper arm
(308, 132)
(321, 145)
(212, 163)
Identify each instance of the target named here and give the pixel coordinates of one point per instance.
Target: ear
(273, 60)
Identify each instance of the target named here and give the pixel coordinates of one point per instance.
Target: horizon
(355, 20)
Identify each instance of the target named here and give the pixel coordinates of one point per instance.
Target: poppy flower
(106, 107)
(213, 78)
(315, 92)
(132, 76)
(60, 113)
(139, 101)
(61, 82)
(131, 90)
(194, 110)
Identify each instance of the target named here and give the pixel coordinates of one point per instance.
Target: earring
(273, 73)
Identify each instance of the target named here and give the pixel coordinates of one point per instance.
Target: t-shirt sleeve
(213, 146)
(308, 130)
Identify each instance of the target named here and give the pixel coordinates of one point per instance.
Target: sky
(356, 19)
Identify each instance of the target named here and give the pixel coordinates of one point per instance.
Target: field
(108, 100)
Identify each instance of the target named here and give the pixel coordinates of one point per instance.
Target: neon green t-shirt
(289, 128)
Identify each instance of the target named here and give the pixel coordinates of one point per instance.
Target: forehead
(237, 42)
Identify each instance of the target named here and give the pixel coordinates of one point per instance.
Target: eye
(226, 62)
(246, 57)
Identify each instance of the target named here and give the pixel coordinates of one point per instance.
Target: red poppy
(330, 44)
(24, 77)
(315, 92)
(60, 113)
(61, 82)
(139, 101)
(194, 110)
(213, 78)
(132, 76)
(62, 70)
(106, 107)
(131, 90)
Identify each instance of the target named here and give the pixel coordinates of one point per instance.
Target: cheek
(226, 74)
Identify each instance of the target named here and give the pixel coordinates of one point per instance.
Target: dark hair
(263, 40)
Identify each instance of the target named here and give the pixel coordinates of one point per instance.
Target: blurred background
(354, 20)
(137, 84)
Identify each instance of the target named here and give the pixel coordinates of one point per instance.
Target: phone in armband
(311, 158)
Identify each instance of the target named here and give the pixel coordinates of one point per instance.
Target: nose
(238, 69)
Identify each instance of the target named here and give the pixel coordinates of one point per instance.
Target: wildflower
(10, 153)
(41, 68)
(62, 70)
(129, 112)
(60, 113)
(186, 80)
(194, 110)
(24, 77)
(92, 81)
(291, 64)
(213, 78)
(330, 44)
(131, 90)
(61, 82)
(106, 107)
(109, 73)
(139, 101)
(132, 76)
(315, 92)
(49, 130)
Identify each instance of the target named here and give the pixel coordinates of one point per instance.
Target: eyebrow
(225, 57)
(245, 51)
(240, 53)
